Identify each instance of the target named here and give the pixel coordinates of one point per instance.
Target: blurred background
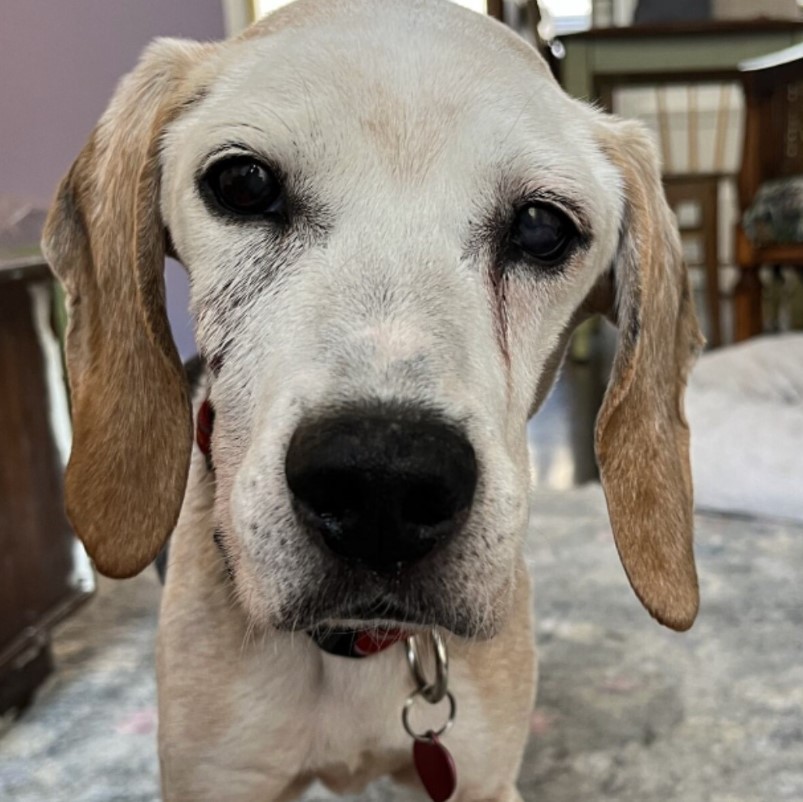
(626, 711)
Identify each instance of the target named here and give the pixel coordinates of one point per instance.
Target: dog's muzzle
(381, 489)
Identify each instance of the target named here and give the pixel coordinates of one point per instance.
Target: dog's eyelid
(221, 151)
(564, 205)
(229, 149)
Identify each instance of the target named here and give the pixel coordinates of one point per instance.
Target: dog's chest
(358, 716)
(356, 732)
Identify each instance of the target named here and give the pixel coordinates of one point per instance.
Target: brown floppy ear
(642, 438)
(104, 238)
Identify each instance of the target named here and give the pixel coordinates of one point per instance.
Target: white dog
(392, 218)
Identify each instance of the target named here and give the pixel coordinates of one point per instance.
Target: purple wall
(59, 63)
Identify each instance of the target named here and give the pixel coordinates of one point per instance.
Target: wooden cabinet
(44, 573)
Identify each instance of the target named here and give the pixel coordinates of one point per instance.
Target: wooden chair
(701, 192)
(692, 120)
(773, 148)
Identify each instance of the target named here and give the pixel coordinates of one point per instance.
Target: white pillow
(745, 409)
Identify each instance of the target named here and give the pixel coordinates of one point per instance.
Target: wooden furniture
(606, 57)
(599, 62)
(44, 574)
(773, 148)
(695, 163)
(701, 192)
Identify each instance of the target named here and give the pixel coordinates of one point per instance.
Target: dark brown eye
(243, 186)
(543, 233)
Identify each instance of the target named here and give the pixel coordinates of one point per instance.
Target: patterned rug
(626, 710)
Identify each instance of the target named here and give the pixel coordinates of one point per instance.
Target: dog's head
(392, 218)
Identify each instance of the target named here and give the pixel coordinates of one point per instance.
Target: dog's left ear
(642, 438)
(104, 238)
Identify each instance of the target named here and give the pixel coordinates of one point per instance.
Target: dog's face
(428, 237)
(392, 218)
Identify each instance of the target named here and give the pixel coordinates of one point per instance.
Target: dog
(392, 219)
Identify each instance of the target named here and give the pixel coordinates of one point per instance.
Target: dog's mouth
(383, 615)
(365, 630)
(377, 616)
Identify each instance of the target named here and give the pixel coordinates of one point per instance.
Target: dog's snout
(381, 490)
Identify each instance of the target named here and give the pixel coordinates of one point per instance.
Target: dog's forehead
(396, 87)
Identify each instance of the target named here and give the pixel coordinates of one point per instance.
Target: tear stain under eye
(499, 284)
(217, 536)
(229, 303)
(233, 294)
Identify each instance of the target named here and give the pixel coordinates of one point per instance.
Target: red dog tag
(435, 767)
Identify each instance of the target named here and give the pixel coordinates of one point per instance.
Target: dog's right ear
(104, 239)
(642, 437)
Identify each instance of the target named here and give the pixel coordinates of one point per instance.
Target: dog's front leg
(217, 743)
(235, 717)
(221, 738)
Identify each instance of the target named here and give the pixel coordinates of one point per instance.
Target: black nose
(381, 489)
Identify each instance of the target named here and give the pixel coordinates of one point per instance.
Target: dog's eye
(543, 233)
(243, 186)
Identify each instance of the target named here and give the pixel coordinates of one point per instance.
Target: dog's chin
(330, 595)
(386, 615)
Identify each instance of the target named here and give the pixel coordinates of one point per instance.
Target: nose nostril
(427, 504)
(330, 495)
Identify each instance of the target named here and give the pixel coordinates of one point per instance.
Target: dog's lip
(377, 616)
(370, 625)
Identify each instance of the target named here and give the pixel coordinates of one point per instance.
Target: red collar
(357, 643)
(203, 430)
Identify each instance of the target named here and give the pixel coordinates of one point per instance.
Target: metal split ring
(408, 706)
(434, 691)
